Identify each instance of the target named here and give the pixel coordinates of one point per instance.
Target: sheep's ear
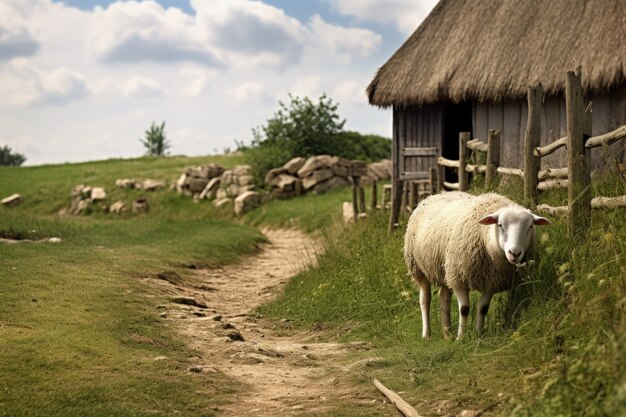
(490, 219)
(540, 221)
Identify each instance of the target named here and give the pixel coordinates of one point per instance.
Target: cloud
(405, 15)
(136, 32)
(307, 86)
(198, 79)
(24, 85)
(350, 92)
(347, 42)
(16, 36)
(140, 87)
(251, 91)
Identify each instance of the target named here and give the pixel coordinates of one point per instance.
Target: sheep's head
(515, 230)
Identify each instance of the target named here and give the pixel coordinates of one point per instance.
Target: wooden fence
(576, 176)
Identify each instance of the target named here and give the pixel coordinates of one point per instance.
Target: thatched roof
(492, 50)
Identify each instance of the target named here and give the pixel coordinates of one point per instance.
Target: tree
(155, 141)
(8, 157)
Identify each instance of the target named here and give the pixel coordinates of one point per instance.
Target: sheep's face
(515, 230)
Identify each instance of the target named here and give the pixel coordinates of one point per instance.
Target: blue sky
(82, 80)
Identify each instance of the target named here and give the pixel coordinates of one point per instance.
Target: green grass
(79, 329)
(555, 346)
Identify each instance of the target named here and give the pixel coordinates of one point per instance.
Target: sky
(82, 80)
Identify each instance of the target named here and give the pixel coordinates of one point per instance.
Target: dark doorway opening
(457, 117)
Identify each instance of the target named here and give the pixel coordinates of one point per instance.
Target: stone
(314, 163)
(240, 170)
(196, 185)
(54, 240)
(228, 178)
(140, 205)
(246, 202)
(340, 161)
(180, 183)
(98, 194)
(380, 170)
(235, 336)
(245, 179)
(222, 202)
(340, 170)
(316, 177)
(348, 212)
(118, 207)
(221, 194)
(125, 183)
(77, 191)
(233, 190)
(273, 173)
(152, 185)
(294, 164)
(81, 207)
(12, 200)
(210, 191)
(188, 301)
(331, 184)
(287, 183)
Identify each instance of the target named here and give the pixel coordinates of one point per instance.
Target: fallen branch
(405, 408)
(511, 171)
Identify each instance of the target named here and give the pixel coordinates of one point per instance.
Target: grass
(79, 330)
(555, 346)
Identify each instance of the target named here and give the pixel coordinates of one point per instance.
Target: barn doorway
(457, 117)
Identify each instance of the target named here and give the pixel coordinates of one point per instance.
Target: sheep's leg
(425, 306)
(462, 295)
(445, 296)
(483, 308)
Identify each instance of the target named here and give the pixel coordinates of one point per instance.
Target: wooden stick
(551, 147)
(374, 195)
(481, 169)
(441, 177)
(355, 203)
(447, 162)
(451, 185)
(555, 183)
(405, 408)
(607, 138)
(553, 173)
(531, 141)
(477, 145)
(493, 156)
(463, 178)
(608, 202)
(511, 171)
(396, 203)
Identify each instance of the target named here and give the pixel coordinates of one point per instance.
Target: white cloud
(198, 79)
(141, 87)
(350, 91)
(251, 92)
(347, 42)
(24, 84)
(405, 15)
(307, 86)
(17, 37)
(136, 32)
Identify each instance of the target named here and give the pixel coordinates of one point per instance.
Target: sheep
(446, 244)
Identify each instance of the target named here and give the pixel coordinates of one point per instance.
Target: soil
(278, 371)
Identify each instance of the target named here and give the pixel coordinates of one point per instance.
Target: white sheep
(446, 244)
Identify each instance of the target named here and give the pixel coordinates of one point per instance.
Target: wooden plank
(511, 171)
(531, 141)
(451, 185)
(578, 131)
(430, 151)
(374, 195)
(553, 173)
(414, 175)
(510, 134)
(554, 183)
(481, 169)
(463, 178)
(609, 202)
(405, 408)
(559, 211)
(441, 177)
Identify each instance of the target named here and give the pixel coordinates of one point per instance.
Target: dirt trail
(280, 372)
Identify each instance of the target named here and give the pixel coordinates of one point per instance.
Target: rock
(196, 185)
(217, 317)
(118, 207)
(222, 202)
(210, 191)
(180, 183)
(234, 335)
(81, 207)
(221, 194)
(195, 369)
(227, 326)
(125, 183)
(152, 185)
(233, 190)
(77, 191)
(469, 413)
(54, 240)
(246, 202)
(286, 182)
(340, 161)
(140, 205)
(273, 173)
(331, 184)
(240, 170)
(314, 163)
(348, 212)
(316, 177)
(98, 194)
(294, 165)
(12, 200)
(380, 170)
(340, 170)
(228, 178)
(188, 301)
(163, 315)
(245, 180)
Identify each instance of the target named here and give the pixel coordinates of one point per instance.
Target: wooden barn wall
(609, 112)
(416, 127)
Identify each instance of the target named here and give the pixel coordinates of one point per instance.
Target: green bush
(10, 158)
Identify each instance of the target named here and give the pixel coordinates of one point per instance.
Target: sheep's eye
(500, 225)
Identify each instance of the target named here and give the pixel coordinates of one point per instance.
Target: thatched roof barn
(469, 64)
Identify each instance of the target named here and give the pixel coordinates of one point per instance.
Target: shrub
(10, 158)
(156, 142)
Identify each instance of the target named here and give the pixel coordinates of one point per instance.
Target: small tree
(8, 157)
(155, 141)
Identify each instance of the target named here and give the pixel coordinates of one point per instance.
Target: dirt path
(280, 372)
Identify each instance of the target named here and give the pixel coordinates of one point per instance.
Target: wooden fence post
(441, 177)
(578, 131)
(374, 195)
(493, 156)
(432, 179)
(355, 202)
(362, 208)
(463, 138)
(531, 141)
(396, 203)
